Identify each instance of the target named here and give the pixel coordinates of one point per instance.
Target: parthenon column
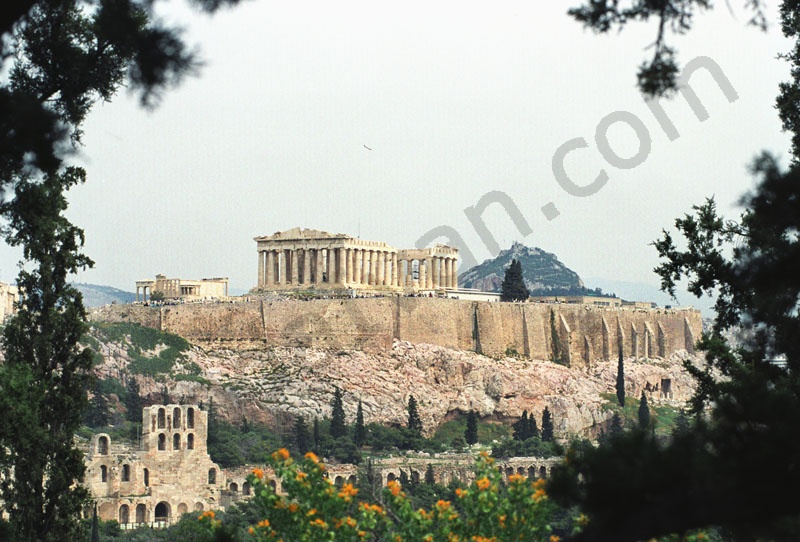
(287, 266)
(365, 266)
(380, 269)
(330, 264)
(454, 274)
(428, 273)
(295, 269)
(350, 252)
(387, 270)
(341, 267)
(270, 268)
(394, 269)
(437, 268)
(260, 281)
(423, 273)
(373, 267)
(306, 266)
(357, 268)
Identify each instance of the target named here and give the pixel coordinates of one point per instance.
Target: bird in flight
(367, 148)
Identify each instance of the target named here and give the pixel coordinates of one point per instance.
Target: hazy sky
(454, 99)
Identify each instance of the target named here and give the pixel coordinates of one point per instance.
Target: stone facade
(170, 474)
(183, 289)
(302, 259)
(9, 298)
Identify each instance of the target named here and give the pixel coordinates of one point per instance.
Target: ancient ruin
(183, 289)
(301, 259)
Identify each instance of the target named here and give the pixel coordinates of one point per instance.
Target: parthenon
(305, 258)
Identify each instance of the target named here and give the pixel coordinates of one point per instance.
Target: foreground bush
(313, 509)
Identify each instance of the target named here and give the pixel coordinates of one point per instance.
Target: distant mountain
(544, 274)
(95, 295)
(641, 291)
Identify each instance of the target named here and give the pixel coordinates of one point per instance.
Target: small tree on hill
(513, 287)
(414, 421)
(471, 433)
(644, 412)
(338, 427)
(533, 429)
(300, 437)
(360, 432)
(521, 427)
(621, 380)
(616, 425)
(157, 296)
(547, 426)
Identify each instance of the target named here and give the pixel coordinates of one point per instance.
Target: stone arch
(124, 514)
(126, 473)
(531, 473)
(198, 507)
(106, 511)
(176, 441)
(190, 418)
(521, 471)
(273, 485)
(352, 479)
(162, 418)
(141, 513)
(212, 476)
(509, 472)
(162, 512)
(162, 441)
(391, 477)
(176, 418)
(103, 473)
(246, 488)
(543, 472)
(414, 476)
(146, 477)
(338, 481)
(182, 509)
(190, 441)
(234, 487)
(102, 445)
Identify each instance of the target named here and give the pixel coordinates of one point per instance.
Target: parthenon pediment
(301, 233)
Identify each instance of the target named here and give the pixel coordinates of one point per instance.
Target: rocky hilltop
(267, 384)
(542, 271)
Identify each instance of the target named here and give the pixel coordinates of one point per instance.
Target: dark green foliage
(531, 447)
(133, 401)
(45, 374)
(547, 425)
(522, 427)
(644, 413)
(157, 296)
(621, 380)
(513, 287)
(97, 415)
(345, 450)
(681, 424)
(142, 339)
(359, 431)
(616, 424)
(430, 477)
(414, 421)
(95, 536)
(471, 432)
(301, 440)
(316, 436)
(338, 424)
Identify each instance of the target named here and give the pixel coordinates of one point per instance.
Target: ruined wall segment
(573, 335)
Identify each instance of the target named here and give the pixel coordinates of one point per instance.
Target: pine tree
(533, 430)
(621, 380)
(513, 286)
(644, 413)
(338, 426)
(360, 432)
(316, 435)
(471, 432)
(133, 401)
(414, 421)
(616, 425)
(547, 426)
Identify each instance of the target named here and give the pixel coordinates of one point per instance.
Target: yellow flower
(394, 487)
(538, 495)
(348, 491)
(442, 505)
(483, 483)
(263, 523)
(206, 514)
(350, 522)
(460, 493)
(319, 523)
(258, 473)
(554, 538)
(428, 538)
(311, 456)
(293, 508)
(582, 520)
(301, 476)
(515, 478)
(540, 483)
(251, 530)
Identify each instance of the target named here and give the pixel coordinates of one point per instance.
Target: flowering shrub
(313, 509)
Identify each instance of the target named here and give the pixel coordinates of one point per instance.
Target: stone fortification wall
(576, 335)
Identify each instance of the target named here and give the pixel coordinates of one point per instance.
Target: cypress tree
(414, 421)
(300, 436)
(547, 426)
(644, 412)
(430, 478)
(471, 433)
(316, 435)
(521, 427)
(513, 286)
(533, 430)
(338, 427)
(616, 425)
(360, 432)
(621, 380)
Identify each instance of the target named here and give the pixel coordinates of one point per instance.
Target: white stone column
(423, 273)
(437, 270)
(373, 266)
(295, 270)
(380, 274)
(341, 266)
(306, 266)
(330, 264)
(349, 262)
(260, 281)
(429, 272)
(452, 274)
(357, 268)
(270, 268)
(287, 266)
(387, 270)
(365, 267)
(394, 269)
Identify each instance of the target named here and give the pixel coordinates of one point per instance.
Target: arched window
(162, 441)
(124, 514)
(234, 487)
(272, 484)
(146, 478)
(162, 511)
(190, 418)
(182, 509)
(176, 441)
(542, 472)
(190, 441)
(126, 473)
(141, 513)
(338, 481)
(162, 421)
(198, 507)
(245, 489)
(102, 446)
(212, 476)
(176, 418)
(531, 473)
(103, 473)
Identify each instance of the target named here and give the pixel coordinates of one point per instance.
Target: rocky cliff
(266, 384)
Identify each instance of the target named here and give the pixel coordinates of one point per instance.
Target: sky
(386, 121)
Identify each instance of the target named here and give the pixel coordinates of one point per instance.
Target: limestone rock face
(271, 384)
